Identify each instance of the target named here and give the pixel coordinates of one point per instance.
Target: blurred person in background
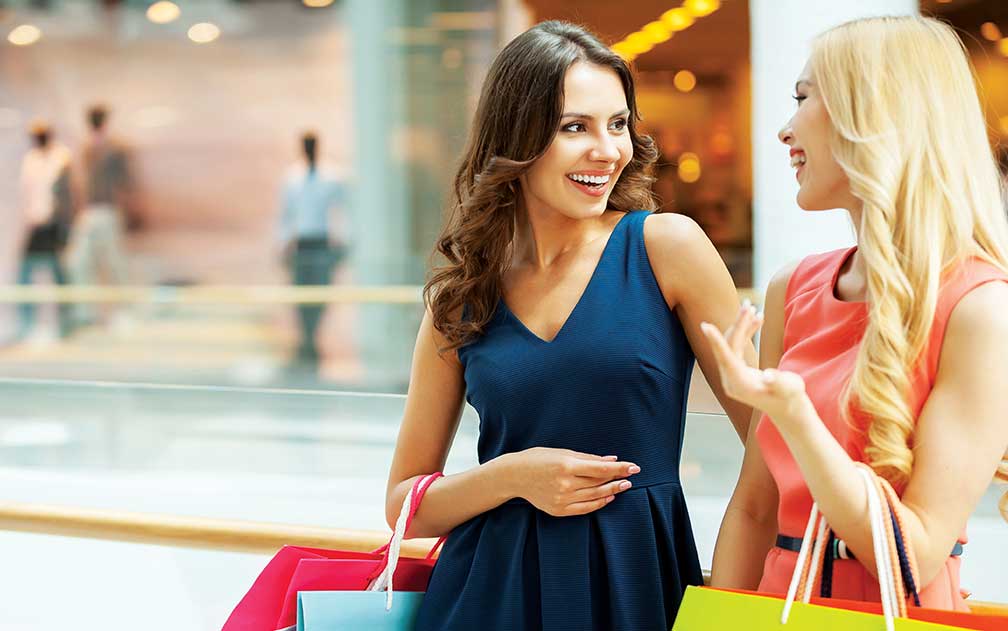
(312, 235)
(96, 242)
(46, 208)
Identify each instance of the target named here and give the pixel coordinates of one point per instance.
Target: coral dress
(821, 339)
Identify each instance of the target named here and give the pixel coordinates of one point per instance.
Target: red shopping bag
(960, 619)
(271, 602)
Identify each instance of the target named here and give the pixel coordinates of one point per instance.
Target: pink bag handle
(416, 495)
(381, 578)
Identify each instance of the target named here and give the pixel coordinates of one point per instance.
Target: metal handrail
(190, 532)
(227, 294)
(211, 294)
(227, 534)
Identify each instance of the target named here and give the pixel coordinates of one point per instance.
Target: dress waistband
(840, 549)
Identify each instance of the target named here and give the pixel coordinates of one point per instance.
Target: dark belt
(840, 551)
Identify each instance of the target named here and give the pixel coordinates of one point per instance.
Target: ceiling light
(638, 43)
(621, 49)
(657, 32)
(684, 81)
(700, 8)
(317, 4)
(24, 35)
(677, 19)
(204, 32)
(163, 12)
(689, 167)
(990, 31)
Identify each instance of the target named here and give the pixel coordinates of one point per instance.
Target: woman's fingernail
(624, 485)
(633, 469)
(610, 498)
(610, 458)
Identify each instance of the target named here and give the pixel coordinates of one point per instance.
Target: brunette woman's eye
(618, 125)
(574, 127)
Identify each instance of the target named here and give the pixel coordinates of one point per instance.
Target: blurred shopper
(312, 235)
(96, 244)
(567, 314)
(890, 353)
(47, 208)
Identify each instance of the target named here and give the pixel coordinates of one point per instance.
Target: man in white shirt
(312, 236)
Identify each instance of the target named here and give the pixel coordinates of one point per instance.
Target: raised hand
(779, 393)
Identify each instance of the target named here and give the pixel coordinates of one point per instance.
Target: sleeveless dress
(613, 381)
(822, 335)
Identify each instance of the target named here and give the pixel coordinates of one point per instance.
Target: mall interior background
(183, 401)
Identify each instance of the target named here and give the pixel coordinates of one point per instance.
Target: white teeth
(589, 179)
(797, 159)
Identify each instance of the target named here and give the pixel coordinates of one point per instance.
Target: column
(781, 32)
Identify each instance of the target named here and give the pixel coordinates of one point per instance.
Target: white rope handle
(803, 553)
(820, 541)
(883, 558)
(384, 580)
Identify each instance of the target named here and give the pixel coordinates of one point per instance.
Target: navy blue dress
(613, 381)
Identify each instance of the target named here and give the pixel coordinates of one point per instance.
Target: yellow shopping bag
(705, 609)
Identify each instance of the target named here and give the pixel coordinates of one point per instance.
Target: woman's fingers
(736, 335)
(603, 490)
(603, 470)
(583, 456)
(722, 352)
(583, 508)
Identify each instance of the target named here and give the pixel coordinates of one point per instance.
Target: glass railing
(291, 457)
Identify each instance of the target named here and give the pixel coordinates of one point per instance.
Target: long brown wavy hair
(517, 118)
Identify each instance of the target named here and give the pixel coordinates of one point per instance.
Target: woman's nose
(605, 149)
(785, 135)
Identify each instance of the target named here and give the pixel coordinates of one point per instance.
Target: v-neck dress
(614, 380)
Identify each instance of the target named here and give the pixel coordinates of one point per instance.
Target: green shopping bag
(348, 611)
(706, 609)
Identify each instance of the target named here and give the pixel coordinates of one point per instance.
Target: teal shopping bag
(350, 611)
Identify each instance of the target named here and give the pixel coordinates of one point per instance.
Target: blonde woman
(894, 352)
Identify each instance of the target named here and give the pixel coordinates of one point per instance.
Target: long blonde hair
(910, 134)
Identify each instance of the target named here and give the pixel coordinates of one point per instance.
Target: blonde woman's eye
(799, 98)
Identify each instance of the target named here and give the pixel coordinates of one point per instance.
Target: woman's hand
(561, 482)
(781, 394)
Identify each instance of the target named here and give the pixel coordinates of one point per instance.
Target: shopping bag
(705, 609)
(348, 611)
(272, 601)
(709, 609)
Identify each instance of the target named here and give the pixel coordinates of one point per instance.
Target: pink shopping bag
(271, 602)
